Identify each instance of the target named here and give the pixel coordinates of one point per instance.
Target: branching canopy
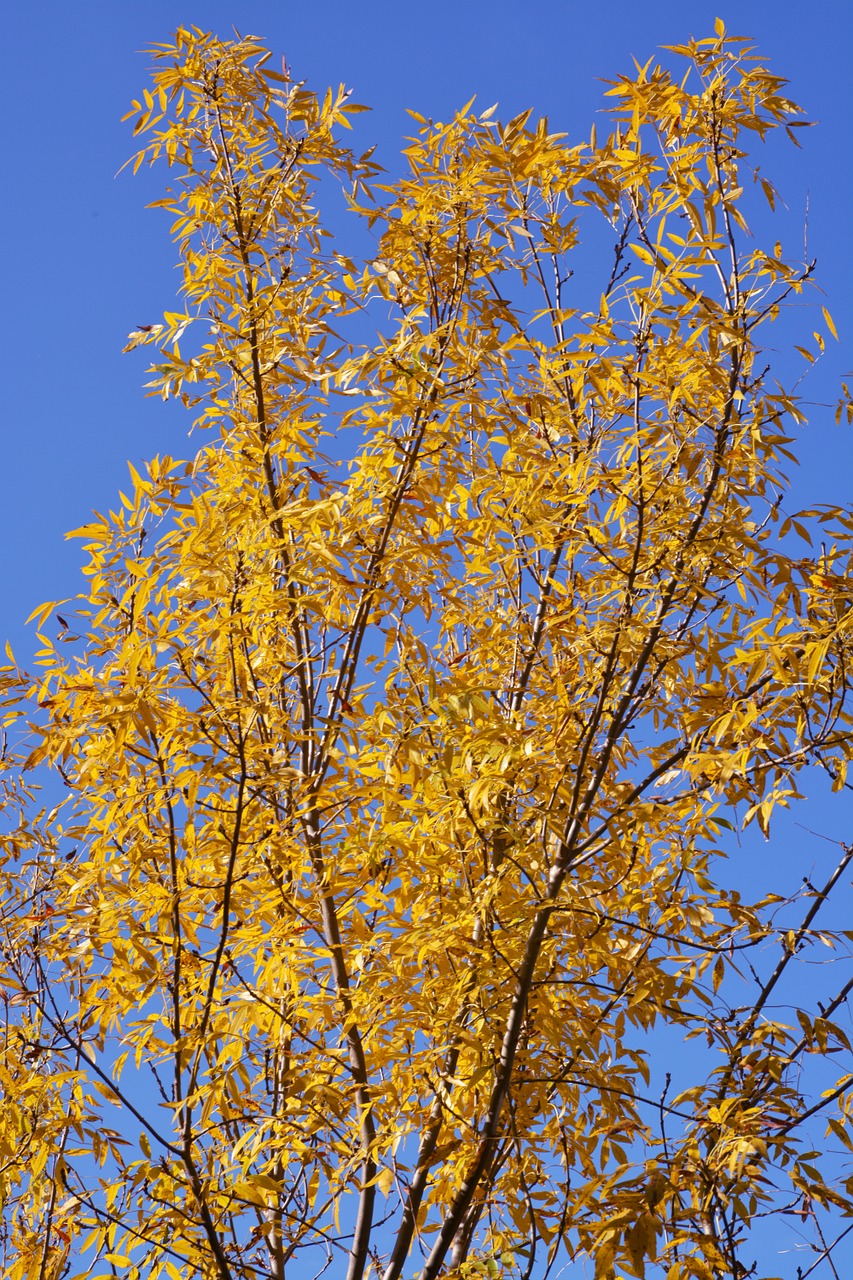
(371, 912)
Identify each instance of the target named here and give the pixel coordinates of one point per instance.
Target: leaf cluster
(397, 733)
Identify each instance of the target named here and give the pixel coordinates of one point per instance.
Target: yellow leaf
(829, 323)
(604, 1259)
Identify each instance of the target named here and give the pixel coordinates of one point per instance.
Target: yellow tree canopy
(371, 915)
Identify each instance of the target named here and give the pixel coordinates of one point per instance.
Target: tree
(374, 915)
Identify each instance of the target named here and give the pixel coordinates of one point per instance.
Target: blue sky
(84, 262)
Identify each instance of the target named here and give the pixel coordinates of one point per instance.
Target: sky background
(85, 263)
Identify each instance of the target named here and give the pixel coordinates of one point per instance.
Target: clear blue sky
(84, 262)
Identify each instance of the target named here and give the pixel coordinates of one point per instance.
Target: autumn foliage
(363, 904)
